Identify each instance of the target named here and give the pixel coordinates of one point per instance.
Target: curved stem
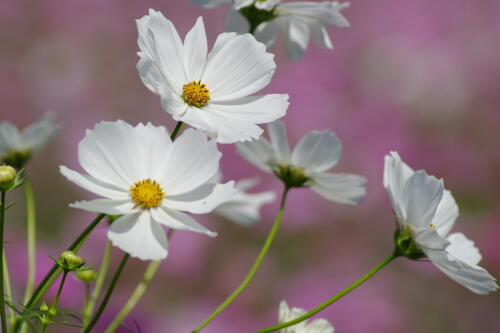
(54, 272)
(333, 299)
(2, 299)
(256, 265)
(135, 297)
(101, 276)
(107, 296)
(8, 288)
(31, 237)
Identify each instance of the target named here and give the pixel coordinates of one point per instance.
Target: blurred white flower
(306, 166)
(426, 212)
(209, 91)
(150, 181)
(16, 146)
(297, 21)
(315, 326)
(244, 207)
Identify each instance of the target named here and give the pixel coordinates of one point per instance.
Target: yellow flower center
(195, 94)
(146, 194)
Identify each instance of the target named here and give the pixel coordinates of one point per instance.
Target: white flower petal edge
(32, 138)
(423, 206)
(150, 181)
(315, 153)
(315, 326)
(209, 91)
(244, 207)
(298, 21)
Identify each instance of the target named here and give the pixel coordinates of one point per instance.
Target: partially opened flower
(426, 212)
(149, 181)
(209, 91)
(297, 21)
(316, 326)
(244, 207)
(17, 146)
(306, 166)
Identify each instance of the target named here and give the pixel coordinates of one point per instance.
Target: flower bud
(71, 261)
(53, 312)
(86, 276)
(44, 307)
(7, 175)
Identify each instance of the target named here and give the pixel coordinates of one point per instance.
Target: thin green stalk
(54, 272)
(107, 296)
(333, 299)
(53, 307)
(256, 265)
(135, 297)
(101, 276)
(2, 298)
(31, 237)
(8, 288)
(178, 127)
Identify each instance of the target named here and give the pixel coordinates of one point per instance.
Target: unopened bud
(44, 307)
(71, 260)
(7, 174)
(86, 276)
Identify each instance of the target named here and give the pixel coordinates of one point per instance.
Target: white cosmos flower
(244, 207)
(427, 212)
(238, 4)
(297, 21)
(306, 166)
(16, 146)
(209, 91)
(150, 181)
(315, 326)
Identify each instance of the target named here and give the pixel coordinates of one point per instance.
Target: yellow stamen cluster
(195, 94)
(146, 194)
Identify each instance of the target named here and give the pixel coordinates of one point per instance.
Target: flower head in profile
(426, 213)
(209, 91)
(149, 181)
(306, 166)
(298, 21)
(17, 146)
(244, 207)
(316, 326)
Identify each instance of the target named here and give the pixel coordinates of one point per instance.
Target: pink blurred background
(415, 76)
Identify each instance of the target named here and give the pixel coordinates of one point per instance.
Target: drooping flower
(316, 326)
(297, 21)
(149, 181)
(426, 213)
(306, 166)
(209, 91)
(244, 207)
(17, 146)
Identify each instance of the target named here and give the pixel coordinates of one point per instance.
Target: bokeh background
(421, 77)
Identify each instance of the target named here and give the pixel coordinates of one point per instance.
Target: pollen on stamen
(196, 94)
(146, 194)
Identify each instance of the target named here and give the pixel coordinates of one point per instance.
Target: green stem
(135, 297)
(53, 307)
(178, 127)
(107, 296)
(54, 272)
(31, 236)
(8, 288)
(101, 276)
(2, 300)
(256, 265)
(333, 299)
